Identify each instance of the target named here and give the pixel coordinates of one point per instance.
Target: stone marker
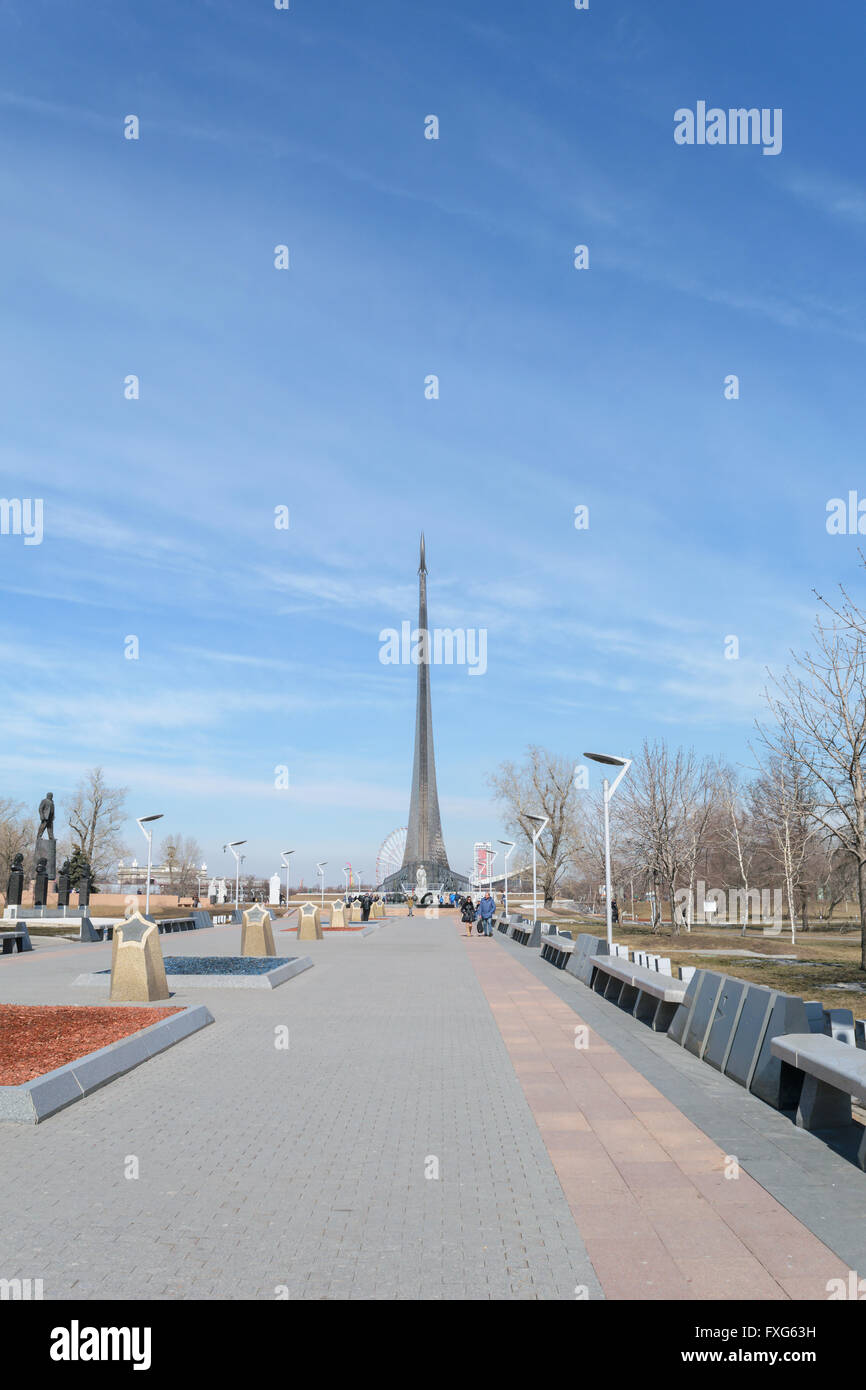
(257, 934)
(355, 912)
(137, 967)
(310, 923)
(339, 915)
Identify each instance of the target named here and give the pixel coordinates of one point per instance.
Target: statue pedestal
(46, 849)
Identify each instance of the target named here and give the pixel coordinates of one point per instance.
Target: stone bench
(645, 994)
(557, 950)
(833, 1072)
(16, 937)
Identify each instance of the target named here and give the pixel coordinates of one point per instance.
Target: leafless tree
(736, 832)
(17, 836)
(96, 815)
(182, 856)
(819, 709)
(784, 802)
(542, 785)
(667, 807)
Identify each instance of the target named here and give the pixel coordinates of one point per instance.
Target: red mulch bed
(36, 1038)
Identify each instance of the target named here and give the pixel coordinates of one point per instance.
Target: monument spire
(424, 843)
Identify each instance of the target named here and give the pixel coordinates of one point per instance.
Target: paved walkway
(312, 1172)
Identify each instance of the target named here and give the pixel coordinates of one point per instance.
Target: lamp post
(142, 821)
(542, 822)
(491, 855)
(347, 869)
(510, 844)
(233, 847)
(609, 788)
(284, 855)
(320, 869)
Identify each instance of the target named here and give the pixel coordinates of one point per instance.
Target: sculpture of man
(46, 816)
(15, 886)
(421, 882)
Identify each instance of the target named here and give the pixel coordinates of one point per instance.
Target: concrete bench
(645, 994)
(557, 950)
(833, 1072)
(521, 932)
(16, 937)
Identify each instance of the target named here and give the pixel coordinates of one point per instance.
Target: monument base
(441, 878)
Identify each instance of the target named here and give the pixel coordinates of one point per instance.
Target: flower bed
(38, 1038)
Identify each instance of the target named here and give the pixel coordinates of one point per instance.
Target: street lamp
(510, 844)
(284, 855)
(609, 788)
(233, 847)
(142, 821)
(491, 855)
(542, 822)
(347, 869)
(320, 869)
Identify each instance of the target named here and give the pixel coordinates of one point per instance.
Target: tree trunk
(861, 894)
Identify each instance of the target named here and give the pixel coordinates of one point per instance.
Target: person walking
(486, 911)
(467, 913)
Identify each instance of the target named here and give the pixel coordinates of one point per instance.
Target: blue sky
(305, 388)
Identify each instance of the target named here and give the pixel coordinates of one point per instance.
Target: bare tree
(17, 836)
(542, 785)
(819, 708)
(784, 802)
(734, 833)
(182, 855)
(667, 806)
(96, 815)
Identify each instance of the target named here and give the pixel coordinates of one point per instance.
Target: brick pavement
(300, 1170)
(647, 1187)
(265, 1172)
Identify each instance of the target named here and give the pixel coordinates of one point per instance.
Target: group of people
(366, 901)
(481, 913)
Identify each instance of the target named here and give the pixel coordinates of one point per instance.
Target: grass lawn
(824, 961)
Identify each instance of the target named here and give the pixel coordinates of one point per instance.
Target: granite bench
(646, 994)
(557, 950)
(16, 936)
(833, 1072)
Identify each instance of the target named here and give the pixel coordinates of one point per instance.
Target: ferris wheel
(390, 855)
